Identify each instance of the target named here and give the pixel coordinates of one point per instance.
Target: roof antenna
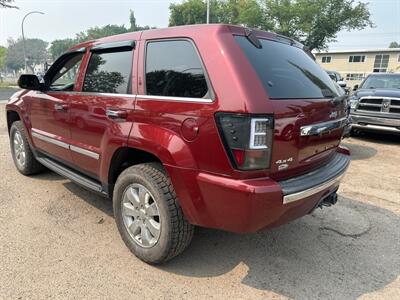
(252, 38)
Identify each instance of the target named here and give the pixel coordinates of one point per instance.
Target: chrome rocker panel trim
(64, 145)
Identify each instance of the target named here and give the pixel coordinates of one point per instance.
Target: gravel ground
(59, 241)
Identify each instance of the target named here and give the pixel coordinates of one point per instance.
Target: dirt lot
(59, 241)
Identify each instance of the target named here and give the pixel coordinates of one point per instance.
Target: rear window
(287, 72)
(173, 68)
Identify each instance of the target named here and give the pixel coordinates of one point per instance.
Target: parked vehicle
(336, 77)
(375, 104)
(210, 125)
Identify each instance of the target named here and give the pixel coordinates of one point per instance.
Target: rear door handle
(61, 107)
(116, 114)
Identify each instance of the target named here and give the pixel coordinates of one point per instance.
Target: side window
(64, 79)
(109, 72)
(173, 68)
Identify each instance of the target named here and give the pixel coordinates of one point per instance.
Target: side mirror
(342, 83)
(355, 87)
(29, 82)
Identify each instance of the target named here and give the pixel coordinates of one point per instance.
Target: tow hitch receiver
(330, 200)
(327, 200)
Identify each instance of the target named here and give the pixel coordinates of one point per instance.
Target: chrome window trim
(64, 145)
(319, 128)
(106, 94)
(171, 98)
(311, 191)
(150, 97)
(94, 94)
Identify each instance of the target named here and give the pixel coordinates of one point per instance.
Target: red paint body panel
(212, 193)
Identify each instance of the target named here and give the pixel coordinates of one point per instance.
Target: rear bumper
(375, 123)
(249, 205)
(300, 187)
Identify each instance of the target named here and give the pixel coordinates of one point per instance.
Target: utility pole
(208, 11)
(23, 35)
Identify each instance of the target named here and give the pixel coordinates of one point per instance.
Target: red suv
(210, 125)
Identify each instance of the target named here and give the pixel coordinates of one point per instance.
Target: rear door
(309, 109)
(49, 110)
(102, 113)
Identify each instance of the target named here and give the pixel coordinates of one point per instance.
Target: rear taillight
(247, 139)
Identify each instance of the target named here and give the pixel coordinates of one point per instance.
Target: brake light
(247, 139)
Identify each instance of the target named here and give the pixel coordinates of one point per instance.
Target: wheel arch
(124, 157)
(12, 116)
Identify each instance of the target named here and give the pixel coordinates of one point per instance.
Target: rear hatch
(309, 108)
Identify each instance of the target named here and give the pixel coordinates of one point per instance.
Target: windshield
(382, 82)
(287, 72)
(332, 76)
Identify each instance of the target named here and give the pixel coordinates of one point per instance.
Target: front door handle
(61, 107)
(116, 114)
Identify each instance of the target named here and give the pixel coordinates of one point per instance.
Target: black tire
(355, 132)
(175, 231)
(31, 165)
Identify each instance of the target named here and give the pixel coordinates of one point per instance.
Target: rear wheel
(22, 154)
(148, 214)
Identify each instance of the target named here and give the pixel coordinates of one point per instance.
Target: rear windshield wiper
(252, 38)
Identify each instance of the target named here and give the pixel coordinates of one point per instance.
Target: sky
(64, 18)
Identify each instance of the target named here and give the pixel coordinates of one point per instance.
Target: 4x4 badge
(283, 163)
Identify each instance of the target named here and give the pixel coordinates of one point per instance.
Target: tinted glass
(382, 81)
(173, 68)
(287, 72)
(109, 73)
(64, 79)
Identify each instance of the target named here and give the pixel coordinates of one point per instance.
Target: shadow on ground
(99, 202)
(47, 175)
(340, 252)
(378, 137)
(360, 152)
(336, 253)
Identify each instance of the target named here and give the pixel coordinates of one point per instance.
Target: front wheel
(22, 154)
(148, 214)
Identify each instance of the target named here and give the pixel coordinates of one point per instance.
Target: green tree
(394, 45)
(313, 22)
(134, 26)
(94, 33)
(3, 55)
(35, 53)
(58, 47)
(132, 21)
(316, 22)
(7, 4)
(188, 12)
(249, 13)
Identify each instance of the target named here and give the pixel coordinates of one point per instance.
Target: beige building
(355, 65)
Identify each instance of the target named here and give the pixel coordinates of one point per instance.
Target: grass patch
(7, 85)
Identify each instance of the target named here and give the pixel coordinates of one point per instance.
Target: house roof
(359, 51)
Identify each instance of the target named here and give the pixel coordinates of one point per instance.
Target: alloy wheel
(19, 149)
(141, 215)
